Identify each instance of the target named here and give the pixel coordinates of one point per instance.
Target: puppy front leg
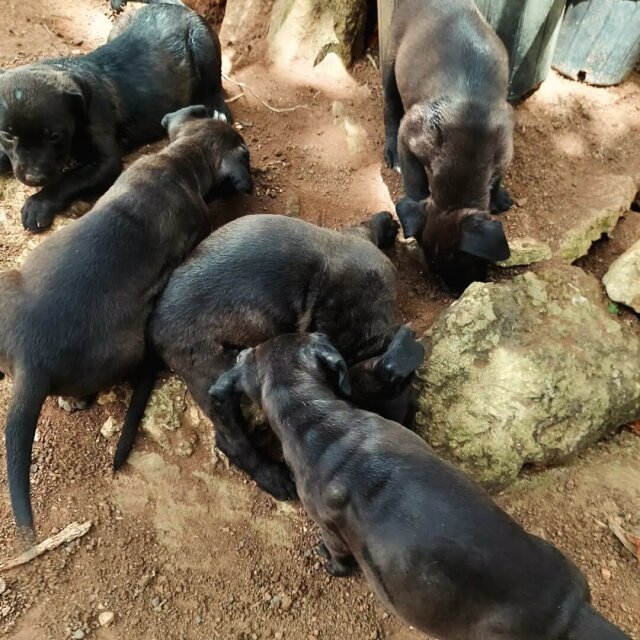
(414, 176)
(5, 163)
(393, 112)
(339, 559)
(83, 181)
(500, 200)
(233, 440)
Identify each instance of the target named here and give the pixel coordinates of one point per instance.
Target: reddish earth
(182, 548)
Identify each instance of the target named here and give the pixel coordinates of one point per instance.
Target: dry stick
(230, 100)
(73, 531)
(266, 104)
(372, 61)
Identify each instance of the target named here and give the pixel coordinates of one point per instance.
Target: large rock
(309, 30)
(527, 372)
(622, 281)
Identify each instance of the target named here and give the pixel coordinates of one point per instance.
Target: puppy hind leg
(142, 387)
(393, 112)
(206, 55)
(5, 164)
(339, 559)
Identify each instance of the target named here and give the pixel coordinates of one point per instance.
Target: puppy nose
(34, 179)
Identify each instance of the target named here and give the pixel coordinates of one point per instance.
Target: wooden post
(385, 13)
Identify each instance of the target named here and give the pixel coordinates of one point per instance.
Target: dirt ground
(185, 548)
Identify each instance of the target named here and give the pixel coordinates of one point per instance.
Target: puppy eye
(55, 136)
(6, 138)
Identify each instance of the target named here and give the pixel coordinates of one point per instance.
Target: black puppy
(91, 108)
(73, 318)
(449, 128)
(263, 275)
(433, 545)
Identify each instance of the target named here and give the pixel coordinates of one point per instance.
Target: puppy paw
(276, 480)
(385, 228)
(336, 566)
(70, 404)
(501, 201)
(219, 115)
(322, 551)
(339, 569)
(411, 216)
(38, 214)
(391, 158)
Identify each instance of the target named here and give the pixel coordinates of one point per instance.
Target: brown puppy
(432, 544)
(449, 128)
(73, 318)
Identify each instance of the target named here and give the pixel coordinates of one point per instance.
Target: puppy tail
(142, 388)
(590, 625)
(29, 393)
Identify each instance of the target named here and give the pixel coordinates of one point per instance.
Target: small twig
(73, 531)
(372, 60)
(234, 98)
(266, 104)
(629, 540)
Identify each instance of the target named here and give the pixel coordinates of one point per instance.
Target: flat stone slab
(606, 198)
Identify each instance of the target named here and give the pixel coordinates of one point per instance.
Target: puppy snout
(34, 179)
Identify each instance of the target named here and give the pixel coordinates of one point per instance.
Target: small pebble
(606, 574)
(78, 634)
(106, 618)
(110, 428)
(3, 586)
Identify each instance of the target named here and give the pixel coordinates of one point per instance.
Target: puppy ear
(484, 238)
(331, 360)
(196, 111)
(412, 217)
(226, 386)
(235, 167)
(80, 95)
(402, 357)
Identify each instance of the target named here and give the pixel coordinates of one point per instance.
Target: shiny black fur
(433, 545)
(73, 317)
(88, 110)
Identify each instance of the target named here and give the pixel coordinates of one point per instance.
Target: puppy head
(40, 111)
(280, 363)
(240, 380)
(224, 147)
(175, 122)
(464, 147)
(383, 384)
(459, 245)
